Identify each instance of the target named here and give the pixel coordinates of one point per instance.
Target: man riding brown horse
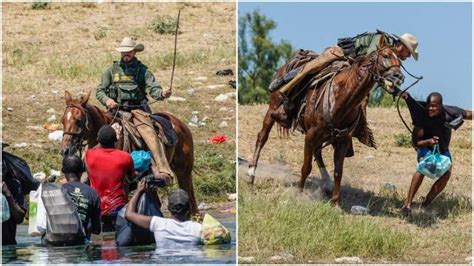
(125, 85)
(332, 109)
(404, 46)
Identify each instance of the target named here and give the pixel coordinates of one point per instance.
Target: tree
(259, 57)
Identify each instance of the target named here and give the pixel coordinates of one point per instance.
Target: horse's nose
(399, 77)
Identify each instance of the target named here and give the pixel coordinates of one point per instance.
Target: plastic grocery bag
(434, 165)
(141, 160)
(37, 213)
(213, 232)
(5, 209)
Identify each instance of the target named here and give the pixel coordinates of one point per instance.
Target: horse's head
(387, 70)
(75, 123)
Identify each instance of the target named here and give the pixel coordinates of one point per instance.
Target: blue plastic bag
(434, 165)
(141, 160)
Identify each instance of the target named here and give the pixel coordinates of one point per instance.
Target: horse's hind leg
(326, 179)
(309, 146)
(262, 138)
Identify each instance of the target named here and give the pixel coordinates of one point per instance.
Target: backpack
(63, 225)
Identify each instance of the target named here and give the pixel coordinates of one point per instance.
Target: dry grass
(69, 45)
(441, 235)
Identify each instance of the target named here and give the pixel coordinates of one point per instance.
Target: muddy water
(104, 250)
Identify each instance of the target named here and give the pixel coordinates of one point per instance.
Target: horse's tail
(283, 132)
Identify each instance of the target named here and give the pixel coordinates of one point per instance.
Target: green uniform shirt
(367, 42)
(135, 71)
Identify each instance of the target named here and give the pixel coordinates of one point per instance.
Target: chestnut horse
(333, 110)
(81, 122)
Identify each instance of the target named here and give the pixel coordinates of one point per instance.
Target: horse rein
(417, 79)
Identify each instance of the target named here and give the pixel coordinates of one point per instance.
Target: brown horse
(333, 110)
(81, 122)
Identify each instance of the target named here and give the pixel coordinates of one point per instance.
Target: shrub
(101, 33)
(403, 140)
(39, 5)
(164, 25)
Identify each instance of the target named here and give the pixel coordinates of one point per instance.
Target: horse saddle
(293, 67)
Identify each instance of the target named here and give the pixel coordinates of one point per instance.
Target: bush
(101, 33)
(39, 5)
(403, 140)
(164, 25)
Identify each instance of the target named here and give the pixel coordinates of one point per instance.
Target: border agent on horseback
(404, 46)
(125, 85)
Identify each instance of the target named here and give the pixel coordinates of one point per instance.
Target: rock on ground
(348, 260)
(246, 259)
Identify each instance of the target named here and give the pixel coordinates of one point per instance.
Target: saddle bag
(63, 226)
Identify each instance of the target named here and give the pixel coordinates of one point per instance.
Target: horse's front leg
(309, 146)
(340, 149)
(262, 138)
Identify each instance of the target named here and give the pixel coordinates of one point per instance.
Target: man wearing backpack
(87, 201)
(73, 210)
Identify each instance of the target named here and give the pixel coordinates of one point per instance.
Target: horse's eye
(385, 55)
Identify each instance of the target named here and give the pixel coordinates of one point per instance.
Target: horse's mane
(349, 76)
(93, 110)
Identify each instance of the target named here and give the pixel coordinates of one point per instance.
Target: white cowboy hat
(128, 45)
(411, 43)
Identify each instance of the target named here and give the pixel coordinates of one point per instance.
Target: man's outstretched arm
(131, 214)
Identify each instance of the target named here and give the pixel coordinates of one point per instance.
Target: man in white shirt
(168, 232)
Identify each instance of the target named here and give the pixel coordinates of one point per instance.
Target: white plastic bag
(37, 214)
(41, 215)
(5, 209)
(33, 209)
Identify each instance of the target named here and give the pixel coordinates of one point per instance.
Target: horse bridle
(77, 137)
(374, 61)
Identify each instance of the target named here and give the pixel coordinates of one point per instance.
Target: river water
(103, 250)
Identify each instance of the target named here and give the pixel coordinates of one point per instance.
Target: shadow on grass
(388, 202)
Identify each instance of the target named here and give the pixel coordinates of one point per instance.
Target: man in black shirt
(12, 190)
(433, 123)
(84, 197)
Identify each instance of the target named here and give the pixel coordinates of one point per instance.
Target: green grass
(271, 223)
(215, 174)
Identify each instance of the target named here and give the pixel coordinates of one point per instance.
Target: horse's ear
(382, 43)
(67, 97)
(85, 98)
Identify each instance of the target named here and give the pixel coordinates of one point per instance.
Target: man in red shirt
(107, 168)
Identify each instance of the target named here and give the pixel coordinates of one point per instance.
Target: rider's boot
(160, 165)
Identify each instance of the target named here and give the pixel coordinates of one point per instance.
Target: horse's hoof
(328, 187)
(251, 175)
